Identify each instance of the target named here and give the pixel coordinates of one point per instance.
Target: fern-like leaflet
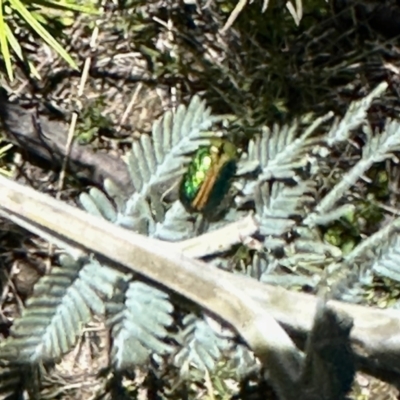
(62, 303)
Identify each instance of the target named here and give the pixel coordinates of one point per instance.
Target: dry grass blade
(234, 14)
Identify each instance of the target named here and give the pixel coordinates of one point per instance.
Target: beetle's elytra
(208, 178)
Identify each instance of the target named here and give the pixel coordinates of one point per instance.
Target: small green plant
(92, 121)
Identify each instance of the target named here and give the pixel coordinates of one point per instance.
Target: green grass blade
(60, 5)
(4, 44)
(12, 40)
(41, 31)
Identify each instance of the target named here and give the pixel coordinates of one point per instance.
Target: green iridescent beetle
(209, 176)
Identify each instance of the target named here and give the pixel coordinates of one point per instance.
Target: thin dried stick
(72, 125)
(74, 118)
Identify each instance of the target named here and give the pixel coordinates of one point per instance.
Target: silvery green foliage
(379, 147)
(201, 346)
(177, 224)
(97, 203)
(270, 158)
(279, 153)
(356, 115)
(387, 262)
(278, 204)
(138, 315)
(278, 180)
(158, 161)
(153, 164)
(269, 269)
(61, 304)
(243, 362)
(281, 205)
(377, 254)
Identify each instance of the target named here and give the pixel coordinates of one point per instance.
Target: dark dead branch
(40, 136)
